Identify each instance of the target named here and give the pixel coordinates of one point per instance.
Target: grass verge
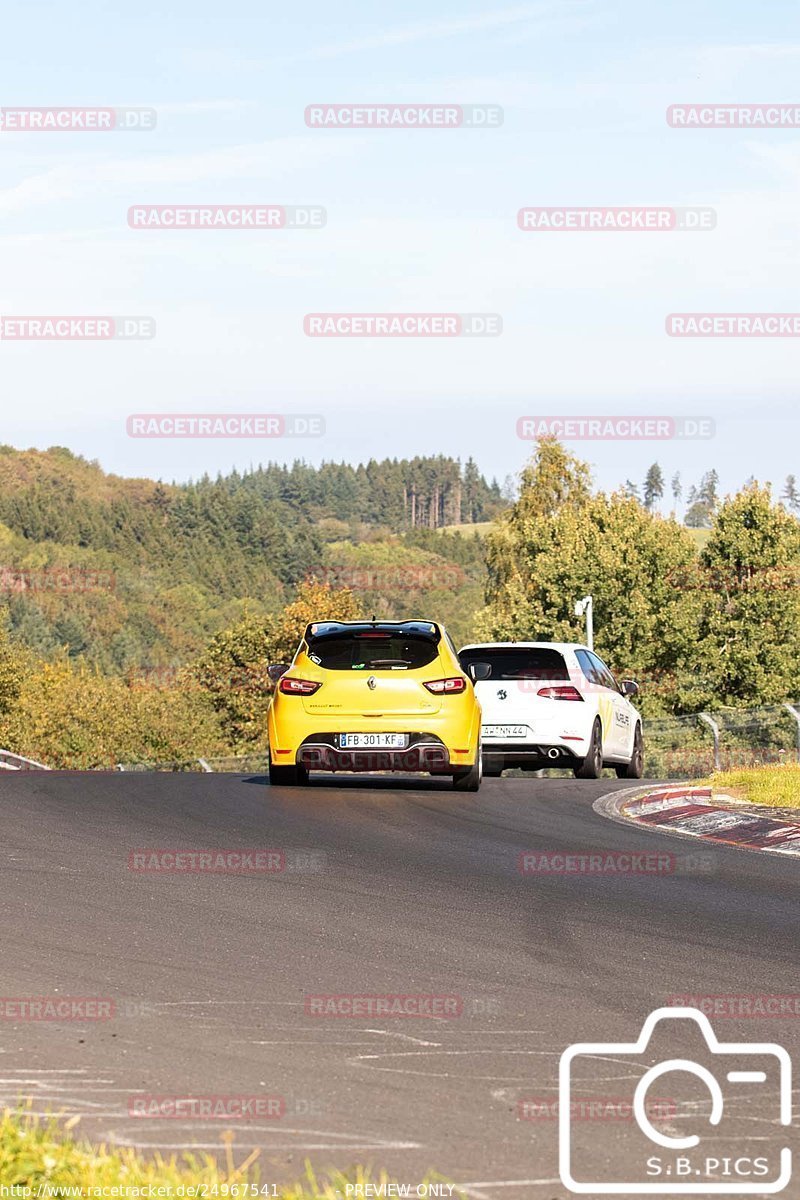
(42, 1156)
(778, 786)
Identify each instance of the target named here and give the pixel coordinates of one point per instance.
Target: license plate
(373, 741)
(505, 731)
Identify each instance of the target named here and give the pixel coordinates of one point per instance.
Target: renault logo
(372, 683)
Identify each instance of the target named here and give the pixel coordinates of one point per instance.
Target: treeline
(701, 499)
(701, 630)
(178, 562)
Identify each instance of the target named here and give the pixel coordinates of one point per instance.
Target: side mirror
(630, 687)
(479, 670)
(276, 670)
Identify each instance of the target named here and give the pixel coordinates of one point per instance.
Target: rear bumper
(533, 755)
(319, 752)
(438, 744)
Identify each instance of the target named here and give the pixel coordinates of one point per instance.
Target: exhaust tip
(553, 752)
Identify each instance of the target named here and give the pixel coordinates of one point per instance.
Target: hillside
(138, 574)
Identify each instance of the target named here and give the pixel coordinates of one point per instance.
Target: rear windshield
(518, 663)
(372, 651)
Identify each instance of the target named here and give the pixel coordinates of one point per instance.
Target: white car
(554, 704)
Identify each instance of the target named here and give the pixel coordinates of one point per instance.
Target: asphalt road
(403, 890)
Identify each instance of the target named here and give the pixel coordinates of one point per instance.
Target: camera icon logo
(713, 1092)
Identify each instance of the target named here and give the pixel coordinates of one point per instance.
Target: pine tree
(790, 494)
(653, 486)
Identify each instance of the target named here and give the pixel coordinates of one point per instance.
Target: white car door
(621, 739)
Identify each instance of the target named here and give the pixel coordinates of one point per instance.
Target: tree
(750, 630)
(790, 494)
(12, 670)
(552, 481)
(703, 502)
(677, 487)
(233, 668)
(653, 486)
(606, 546)
(631, 489)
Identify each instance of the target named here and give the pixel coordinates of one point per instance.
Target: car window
(518, 663)
(603, 675)
(587, 666)
(372, 651)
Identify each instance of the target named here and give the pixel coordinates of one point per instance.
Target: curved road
(387, 889)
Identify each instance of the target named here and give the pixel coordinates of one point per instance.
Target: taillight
(560, 693)
(297, 687)
(455, 684)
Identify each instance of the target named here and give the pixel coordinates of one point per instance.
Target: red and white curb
(685, 811)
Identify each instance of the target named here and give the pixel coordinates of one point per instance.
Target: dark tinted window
(604, 676)
(518, 663)
(372, 651)
(587, 666)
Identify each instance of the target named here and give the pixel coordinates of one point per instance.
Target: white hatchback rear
(553, 704)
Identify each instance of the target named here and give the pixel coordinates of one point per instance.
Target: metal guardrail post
(790, 708)
(714, 727)
(19, 763)
(208, 770)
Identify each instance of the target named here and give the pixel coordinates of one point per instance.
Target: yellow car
(374, 696)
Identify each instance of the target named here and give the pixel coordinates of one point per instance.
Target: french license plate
(373, 741)
(501, 732)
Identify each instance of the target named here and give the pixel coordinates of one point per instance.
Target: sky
(417, 221)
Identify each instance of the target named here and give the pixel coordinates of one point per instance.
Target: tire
(635, 768)
(469, 779)
(591, 767)
(492, 769)
(287, 776)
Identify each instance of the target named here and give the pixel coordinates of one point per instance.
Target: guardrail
(723, 739)
(676, 747)
(15, 762)
(234, 764)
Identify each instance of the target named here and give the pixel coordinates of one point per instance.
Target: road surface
(403, 890)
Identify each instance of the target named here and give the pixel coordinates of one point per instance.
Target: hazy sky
(417, 221)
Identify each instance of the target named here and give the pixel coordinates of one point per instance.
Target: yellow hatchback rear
(374, 696)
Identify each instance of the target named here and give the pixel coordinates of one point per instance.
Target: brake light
(297, 687)
(455, 684)
(560, 693)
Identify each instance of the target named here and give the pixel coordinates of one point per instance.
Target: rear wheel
(591, 767)
(287, 776)
(469, 779)
(635, 768)
(492, 768)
